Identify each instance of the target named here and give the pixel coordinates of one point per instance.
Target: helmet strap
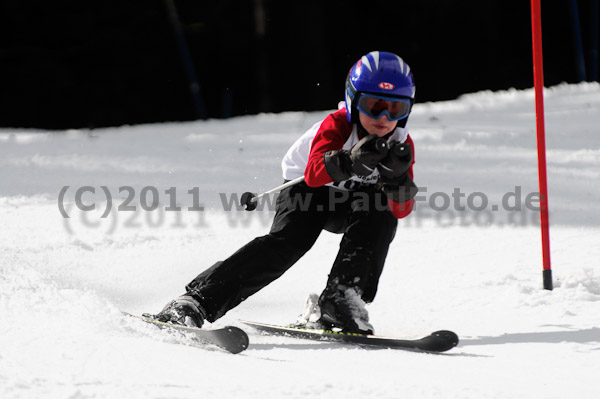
(402, 122)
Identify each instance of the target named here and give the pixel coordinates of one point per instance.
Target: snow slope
(455, 264)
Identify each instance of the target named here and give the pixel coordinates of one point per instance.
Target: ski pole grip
(381, 145)
(401, 149)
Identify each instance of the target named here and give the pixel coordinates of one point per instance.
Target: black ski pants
(302, 212)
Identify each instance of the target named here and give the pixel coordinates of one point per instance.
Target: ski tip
(242, 341)
(447, 340)
(231, 339)
(448, 335)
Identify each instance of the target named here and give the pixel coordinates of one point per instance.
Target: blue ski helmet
(380, 73)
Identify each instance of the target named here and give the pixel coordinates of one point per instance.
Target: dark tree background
(68, 64)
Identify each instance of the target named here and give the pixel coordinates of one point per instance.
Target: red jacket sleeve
(332, 134)
(402, 210)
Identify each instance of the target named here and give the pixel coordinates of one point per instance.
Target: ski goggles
(375, 106)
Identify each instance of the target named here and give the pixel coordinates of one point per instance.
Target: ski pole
(250, 200)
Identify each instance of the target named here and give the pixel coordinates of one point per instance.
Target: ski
(439, 341)
(229, 338)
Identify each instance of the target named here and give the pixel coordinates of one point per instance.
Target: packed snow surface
(468, 259)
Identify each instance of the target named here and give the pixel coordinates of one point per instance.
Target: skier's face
(379, 127)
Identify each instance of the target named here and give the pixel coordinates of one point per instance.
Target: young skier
(357, 165)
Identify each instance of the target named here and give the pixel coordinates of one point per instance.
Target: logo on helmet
(386, 86)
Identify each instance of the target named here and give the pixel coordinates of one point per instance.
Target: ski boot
(345, 310)
(184, 311)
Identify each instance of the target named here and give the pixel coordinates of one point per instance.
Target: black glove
(361, 160)
(397, 185)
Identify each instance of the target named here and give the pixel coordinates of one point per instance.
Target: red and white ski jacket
(305, 156)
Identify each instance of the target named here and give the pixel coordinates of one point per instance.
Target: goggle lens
(376, 106)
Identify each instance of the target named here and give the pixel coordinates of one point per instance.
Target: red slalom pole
(538, 78)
